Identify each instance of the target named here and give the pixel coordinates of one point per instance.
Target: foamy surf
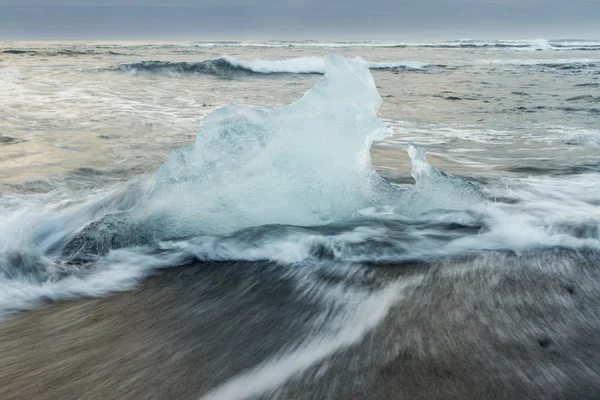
(291, 186)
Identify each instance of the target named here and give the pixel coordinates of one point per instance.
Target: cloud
(342, 19)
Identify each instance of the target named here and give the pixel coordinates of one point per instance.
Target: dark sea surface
(300, 220)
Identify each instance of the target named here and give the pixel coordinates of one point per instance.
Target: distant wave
(19, 51)
(567, 64)
(231, 68)
(228, 67)
(537, 44)
(59, 52)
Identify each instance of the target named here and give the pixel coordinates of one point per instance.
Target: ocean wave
(566, 65)
(228, 67)
(58, 52)
(19, 52)
(535, 45)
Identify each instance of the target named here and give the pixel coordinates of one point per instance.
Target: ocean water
(351, 184)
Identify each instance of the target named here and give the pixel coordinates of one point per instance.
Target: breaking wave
(228, 67)
(231, 68)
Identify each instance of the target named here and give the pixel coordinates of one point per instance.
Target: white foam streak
(551, 212)
(316, 65)
(352, 328)
(299, 65)
(119, 271)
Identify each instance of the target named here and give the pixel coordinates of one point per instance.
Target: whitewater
(268, 220)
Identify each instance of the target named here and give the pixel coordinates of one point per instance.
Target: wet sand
(162, 340)
(491, 327)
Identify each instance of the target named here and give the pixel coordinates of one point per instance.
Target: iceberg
(305, 164)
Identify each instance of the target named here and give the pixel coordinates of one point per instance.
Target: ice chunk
(435, 189)
(304, 164)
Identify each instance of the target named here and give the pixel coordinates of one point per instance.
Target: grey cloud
(335, 19)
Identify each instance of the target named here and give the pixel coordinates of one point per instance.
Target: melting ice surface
(304, 164)
(435, 189)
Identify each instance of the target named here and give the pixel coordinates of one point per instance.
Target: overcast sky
(298, 19)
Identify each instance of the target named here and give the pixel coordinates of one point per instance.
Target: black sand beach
(496, 326)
